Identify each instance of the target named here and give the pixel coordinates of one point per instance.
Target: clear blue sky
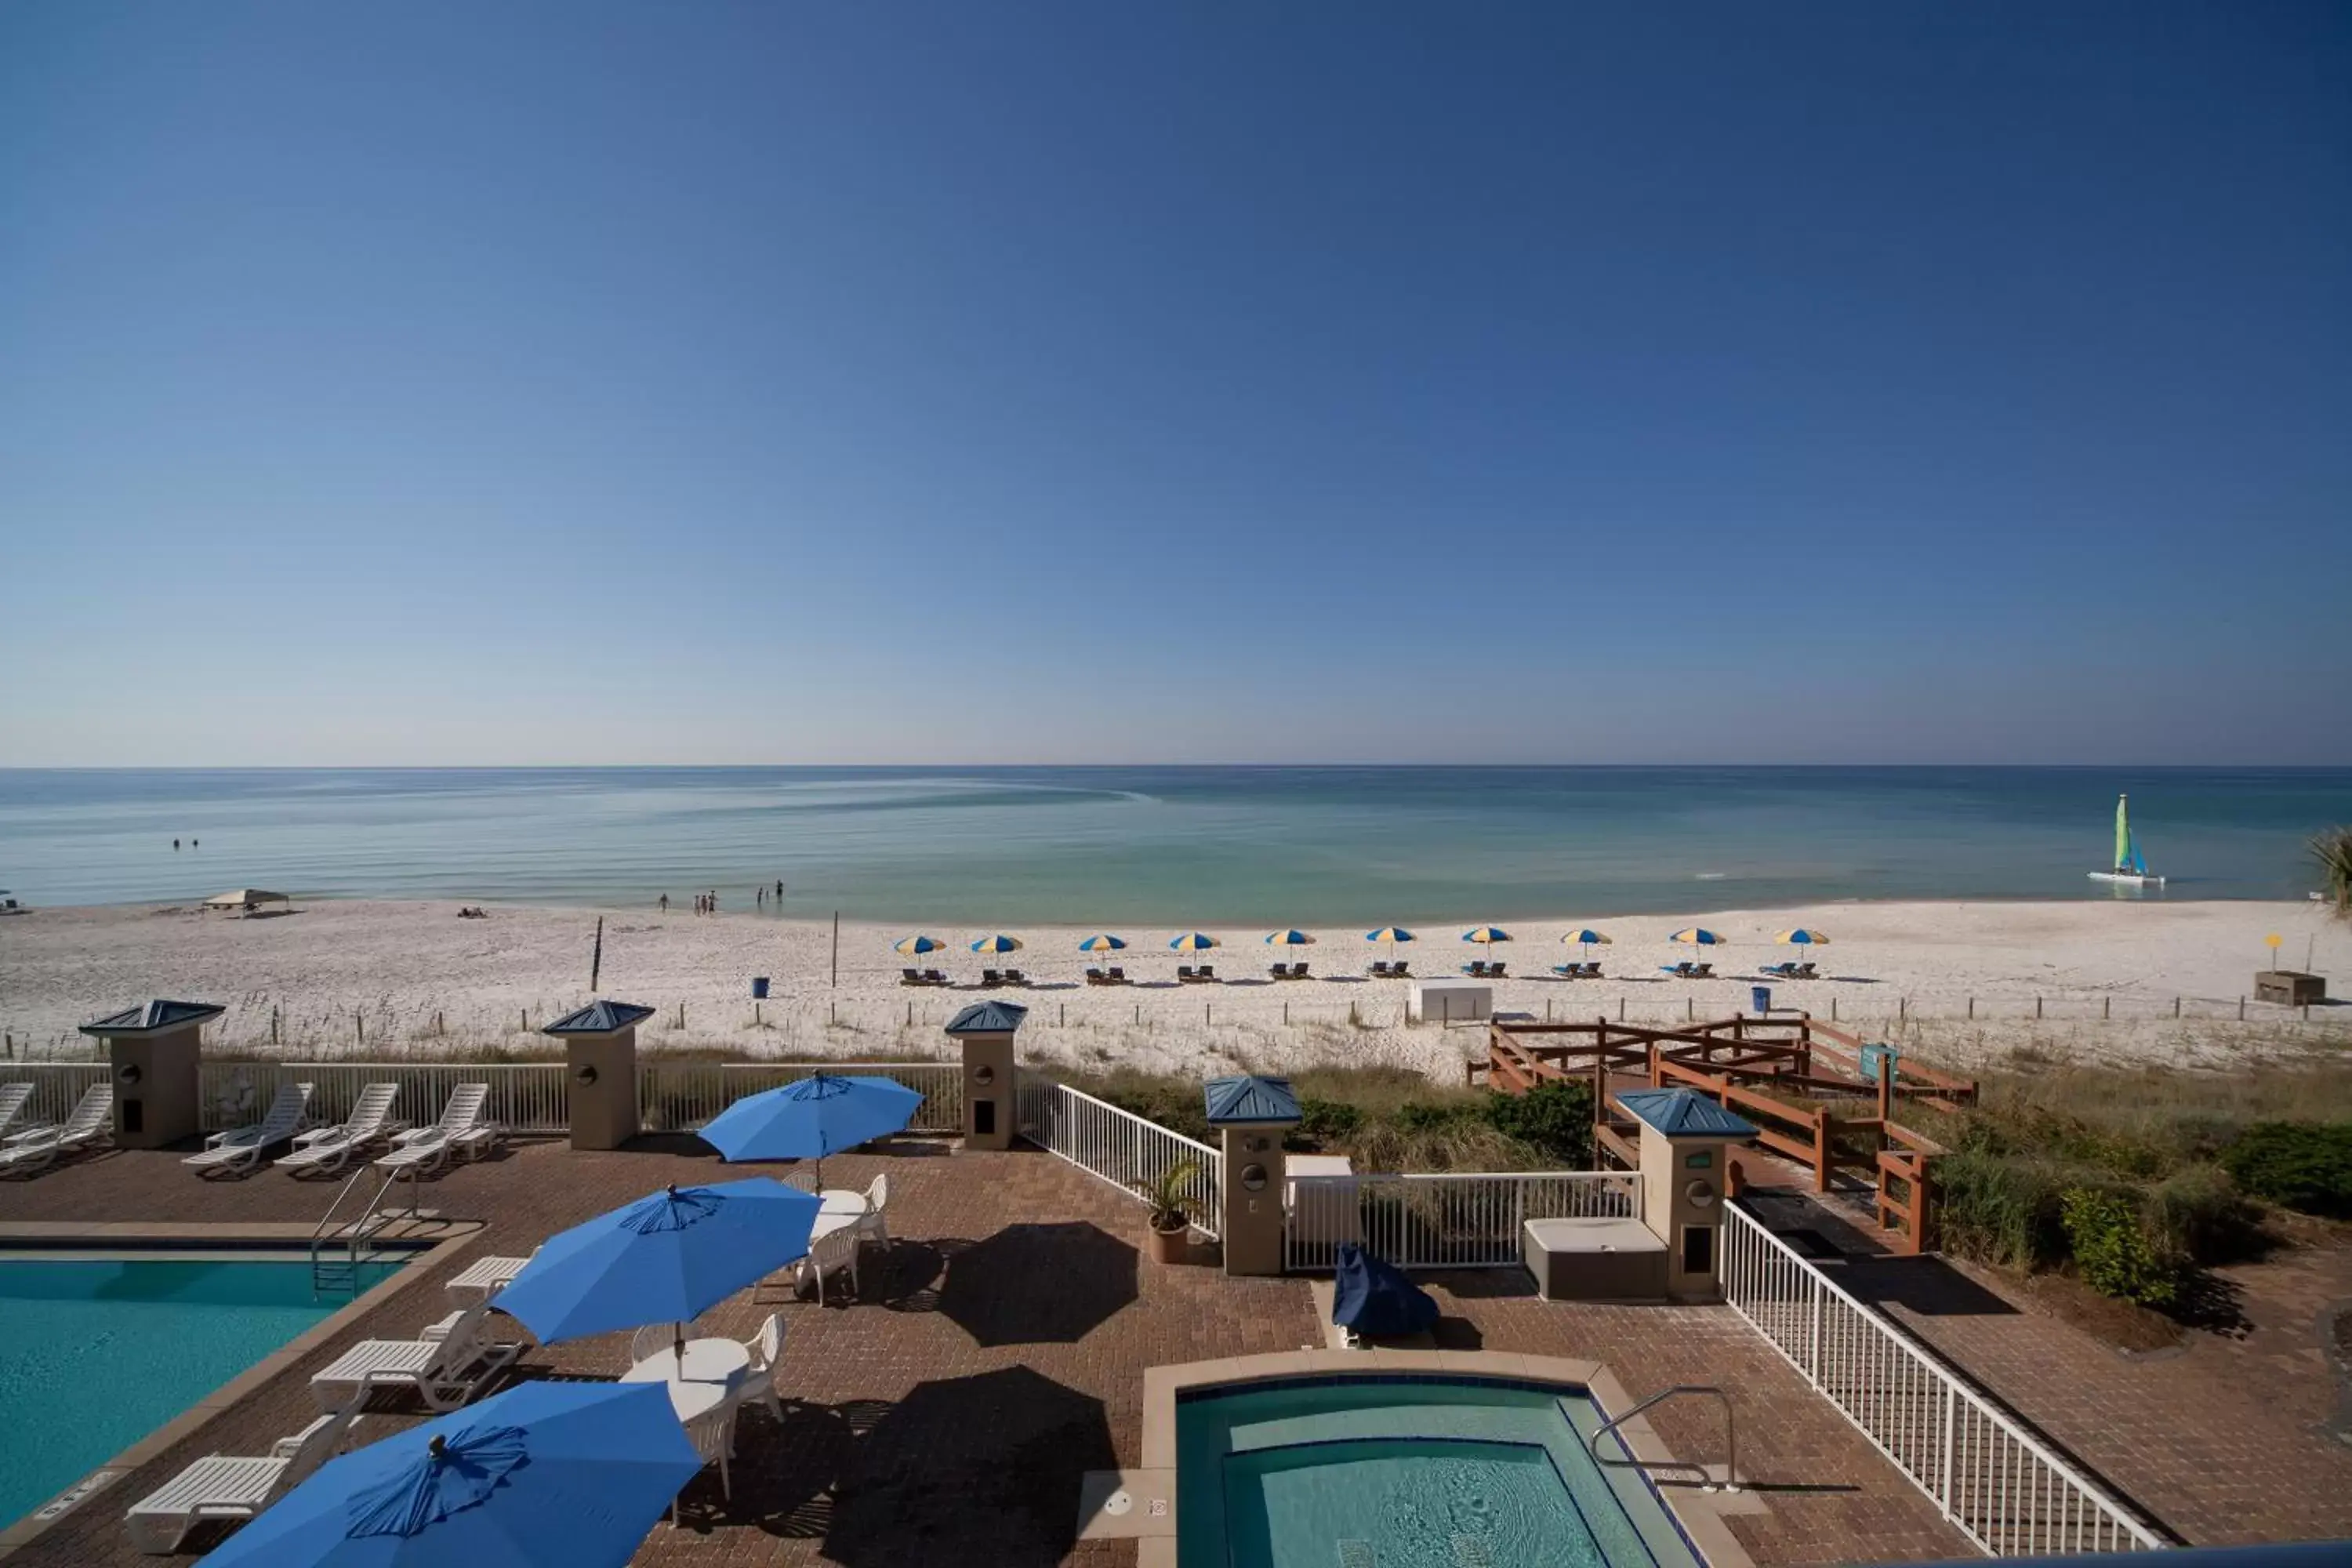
(445, 383)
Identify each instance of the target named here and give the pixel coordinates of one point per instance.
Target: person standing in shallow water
(665, 903)
(175, 844)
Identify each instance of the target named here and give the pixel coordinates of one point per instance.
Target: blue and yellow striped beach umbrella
(1800, 937)
(1103, 943)
(997, 943)
(1585, 937)
(1288, 938)
(915, 946)
(1194, 942)
(1390, 934)
(1697, 936)
(1486, 935)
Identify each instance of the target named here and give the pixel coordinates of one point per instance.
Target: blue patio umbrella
(547, 1475)
(664, 1258)
(809, 1120)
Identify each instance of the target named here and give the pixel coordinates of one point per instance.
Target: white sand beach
(368, 979)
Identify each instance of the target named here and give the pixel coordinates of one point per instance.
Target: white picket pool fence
(56, 1086)
(1441, 1221)
(1118, 1146)
(1991, 1477)
(525, 1096)
(678, 1097)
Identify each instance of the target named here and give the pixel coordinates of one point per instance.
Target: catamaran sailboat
(2131, 866)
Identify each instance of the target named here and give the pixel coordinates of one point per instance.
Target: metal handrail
(358, 1229)
(1730, 1439)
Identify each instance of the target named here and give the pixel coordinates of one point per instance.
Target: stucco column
(600, 1060)
(155, 1055)
(984, 1033)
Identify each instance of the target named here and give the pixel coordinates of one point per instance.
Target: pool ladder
(1730, 1439)
(337, 1251)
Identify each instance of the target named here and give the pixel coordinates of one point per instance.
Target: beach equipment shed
(1250, 1116)
(984, 1032)
(600, 1057)
(154, 1050)
(247, 899)
(1685, 1148)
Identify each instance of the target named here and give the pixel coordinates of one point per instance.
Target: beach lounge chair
(1401, 970)
(1475, 969)
(1702, 972)
(1209, 973)
(239, 1150)
(13, 1098)
(326, 1150)
(446, 1373)
(1569, 971)
(989, 977)
(1801, 970)
(89, 1124)
(224, 1486)
(1015, 977)
(462, 1131)
(1184, 973)
(910, 977)
(765, 1348)
(1379, 971)
(1097, 977)
(1279, 971)
(935, 976)
(1592, 969)
(1117, 976)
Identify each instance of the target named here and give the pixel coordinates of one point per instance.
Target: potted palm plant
(1172, 1210)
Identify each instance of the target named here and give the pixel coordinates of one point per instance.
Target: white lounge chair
(713, 1437)
(224, 1486)
(485, 1277)
(463, 1132)
(91, 1124)
(446, 1373)
(238, 1150)
(14, 1097)
(326, 1150)
(759, 1386)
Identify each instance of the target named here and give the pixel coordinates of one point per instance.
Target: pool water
(1390, 1472)
(95, 1354)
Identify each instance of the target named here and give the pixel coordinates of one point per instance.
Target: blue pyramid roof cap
(1682, 1113)
(1234, 1101)
(149, 1016)
(988, 1018)
(599, 1017)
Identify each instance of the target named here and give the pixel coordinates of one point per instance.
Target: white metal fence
(56, 1087)
(678, 1097)
(1120, 1147)
(1994, 1479)
(525, 1096)
(1441, 1221)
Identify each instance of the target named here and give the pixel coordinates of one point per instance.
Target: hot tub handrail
(1730, 1437)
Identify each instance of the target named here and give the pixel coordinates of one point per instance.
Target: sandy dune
(368, 979)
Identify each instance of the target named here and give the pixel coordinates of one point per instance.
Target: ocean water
(1300, 846)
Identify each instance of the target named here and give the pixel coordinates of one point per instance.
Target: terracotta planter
(1171, 1246)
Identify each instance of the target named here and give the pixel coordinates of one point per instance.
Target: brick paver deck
(946, 1417)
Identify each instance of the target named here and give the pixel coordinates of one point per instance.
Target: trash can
(759, 987)
(1759, 998)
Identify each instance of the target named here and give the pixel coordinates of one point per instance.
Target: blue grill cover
(1375, 1299)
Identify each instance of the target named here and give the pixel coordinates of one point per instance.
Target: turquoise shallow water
(110, 1350)
(1300, 845)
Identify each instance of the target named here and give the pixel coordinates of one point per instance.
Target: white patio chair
(830, 1255)
(713, 1437)
(14, 1097)
(224, 1486)
(91, 1124)
(485, 1277)
(326, 1150)
(238, 1150)
(759, 1385)
(873, 1221)
(446, 1373)
(462, 1131)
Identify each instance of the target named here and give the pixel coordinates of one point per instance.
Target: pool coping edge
(443, 1238)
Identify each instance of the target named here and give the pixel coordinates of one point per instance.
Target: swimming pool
(1377, 1471)
(95, 1353)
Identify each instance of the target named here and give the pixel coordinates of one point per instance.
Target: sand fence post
(2037, 1009)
